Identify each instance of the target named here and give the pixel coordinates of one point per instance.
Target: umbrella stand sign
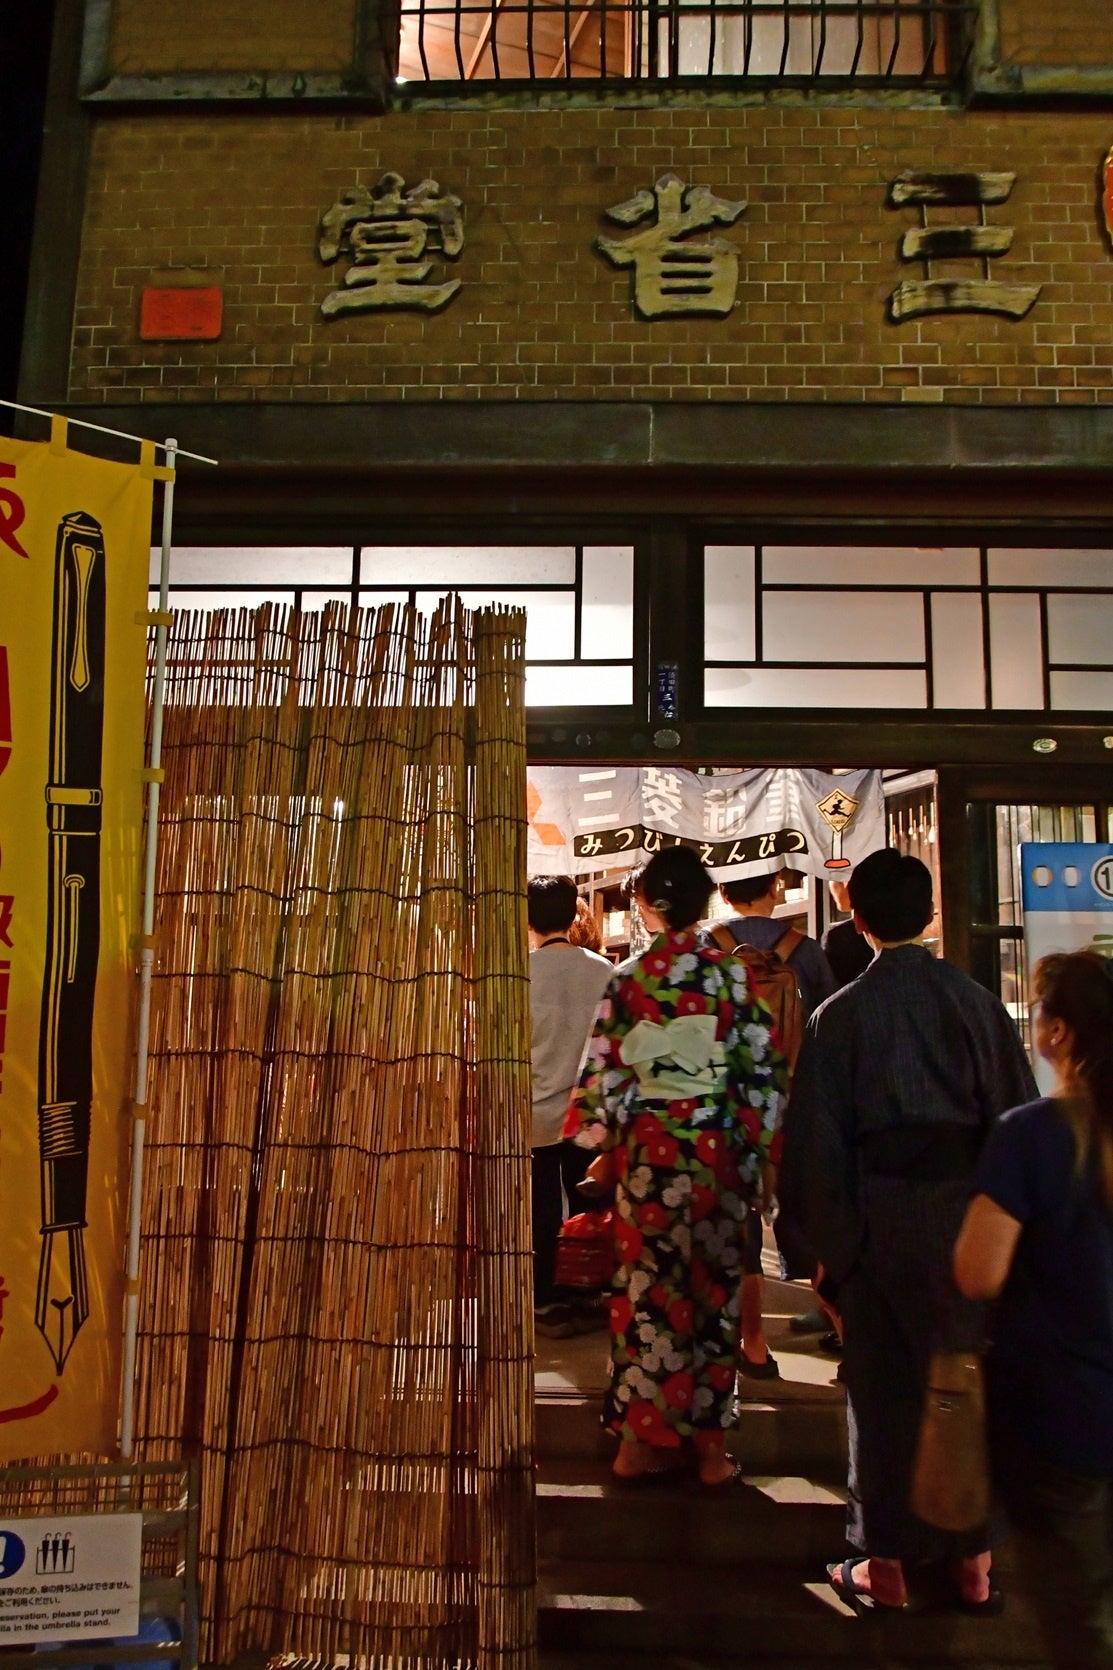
(70, 1578)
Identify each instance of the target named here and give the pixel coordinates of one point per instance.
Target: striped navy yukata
(899, 1078)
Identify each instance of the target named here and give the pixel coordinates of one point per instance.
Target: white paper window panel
(814, 687)
(846, 48)
(468, 565)
(579, 686)
(1080, 627)
(550, 617)
(1050, 568)
(261, 565)
(819, 626)
(728, 602)
(1016, 652)
(1086, 692)
(607, 616)
(184, 598)
(957, 651)
(376, 599)
(868, 565)
(317, 600)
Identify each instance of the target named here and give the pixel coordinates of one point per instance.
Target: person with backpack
(791, 975)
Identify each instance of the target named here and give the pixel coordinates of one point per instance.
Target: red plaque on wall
(191, 313)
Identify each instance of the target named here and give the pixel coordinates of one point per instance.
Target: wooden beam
(481, 44)
(563, 65)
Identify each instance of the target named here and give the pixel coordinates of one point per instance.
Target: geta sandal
(840, 1575)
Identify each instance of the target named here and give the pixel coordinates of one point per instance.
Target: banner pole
(146, 967)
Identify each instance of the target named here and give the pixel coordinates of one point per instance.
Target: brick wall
(1053, 33)
(157, 37)
(540, 313)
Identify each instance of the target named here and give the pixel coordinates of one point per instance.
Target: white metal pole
(146, 965)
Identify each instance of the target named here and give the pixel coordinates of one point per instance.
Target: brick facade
(1075, 36)
(541, 315)
(191, 35)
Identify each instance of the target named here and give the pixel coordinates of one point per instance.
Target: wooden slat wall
(336, 1269)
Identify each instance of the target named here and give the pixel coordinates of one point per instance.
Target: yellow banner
(74, 544)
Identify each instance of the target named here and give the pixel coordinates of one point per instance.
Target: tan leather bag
(773, 981)
(950, 1478)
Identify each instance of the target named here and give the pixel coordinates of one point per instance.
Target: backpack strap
(789, 943)
(723, 937)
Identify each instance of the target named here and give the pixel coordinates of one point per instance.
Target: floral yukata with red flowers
(683, 1084)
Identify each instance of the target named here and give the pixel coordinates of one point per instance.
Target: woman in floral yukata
(682, 1090)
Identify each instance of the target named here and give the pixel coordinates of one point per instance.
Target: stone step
(685, 1615)
(583, 1513)
(573, 1660)
(798, 1435)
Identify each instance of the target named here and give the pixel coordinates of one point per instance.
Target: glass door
(996, 830)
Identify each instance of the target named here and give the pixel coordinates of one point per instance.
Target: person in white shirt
(566, 984)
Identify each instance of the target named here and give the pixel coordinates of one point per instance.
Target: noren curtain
(335, 1312)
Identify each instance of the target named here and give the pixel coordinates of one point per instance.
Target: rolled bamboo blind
(335, 1281)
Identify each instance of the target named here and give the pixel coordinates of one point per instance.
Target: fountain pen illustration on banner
(73, 819)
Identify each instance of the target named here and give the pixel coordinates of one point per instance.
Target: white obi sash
(677, 1058)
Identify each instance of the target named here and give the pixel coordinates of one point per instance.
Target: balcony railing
(748, 43)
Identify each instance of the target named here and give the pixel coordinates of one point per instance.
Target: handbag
(950, 1475)
(585, 1255)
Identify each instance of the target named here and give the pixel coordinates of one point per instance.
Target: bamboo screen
(336, 1258)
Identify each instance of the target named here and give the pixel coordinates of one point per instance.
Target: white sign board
(74, 1578)
(1067, 890)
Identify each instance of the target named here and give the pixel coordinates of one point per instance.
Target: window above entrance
(755, 43)
(579, 599)
(892, 627)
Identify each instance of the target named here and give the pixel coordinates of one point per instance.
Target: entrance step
(799, 1435)
(583, 1514)
(684, 1616)
(705, 1661)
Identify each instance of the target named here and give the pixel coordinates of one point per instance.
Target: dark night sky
(24, 47)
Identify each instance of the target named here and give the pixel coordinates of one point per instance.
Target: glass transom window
(579, 599)
(905, 627)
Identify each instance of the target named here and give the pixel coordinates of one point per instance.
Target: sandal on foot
(767, 1370)
(840, 1575)
(734, 1480)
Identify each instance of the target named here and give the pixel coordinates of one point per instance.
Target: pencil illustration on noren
(73, 818)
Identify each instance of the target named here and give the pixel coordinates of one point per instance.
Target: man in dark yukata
(899, 1079)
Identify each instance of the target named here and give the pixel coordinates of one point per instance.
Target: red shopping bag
(585, 1251)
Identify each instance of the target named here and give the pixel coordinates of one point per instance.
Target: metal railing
(825, 43)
